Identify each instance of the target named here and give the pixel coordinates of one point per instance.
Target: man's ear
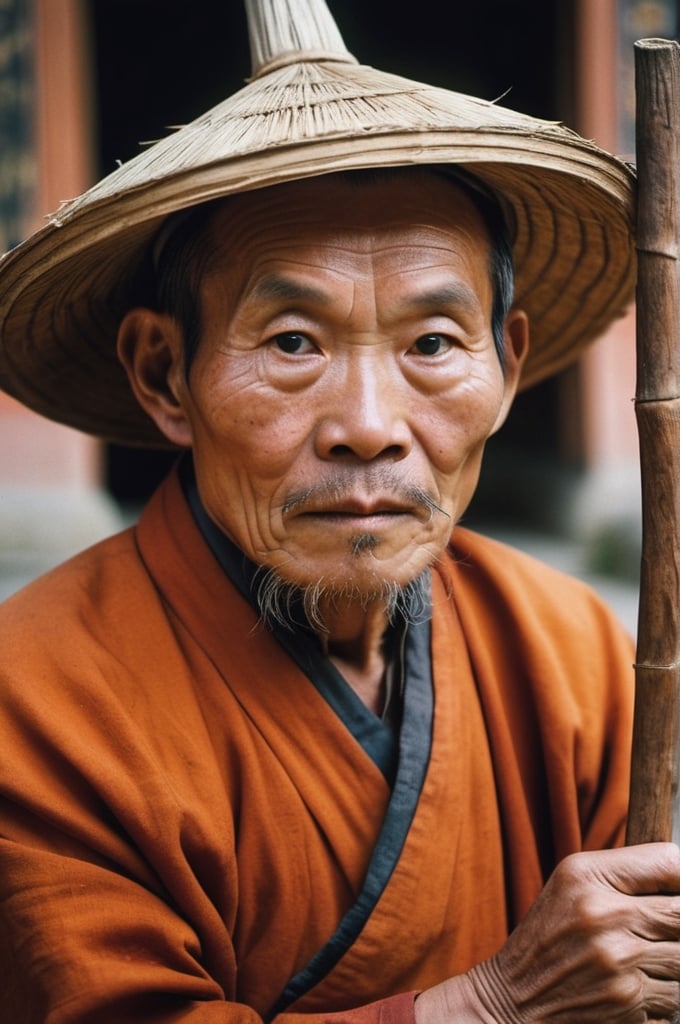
(150, 347)
(516, 338)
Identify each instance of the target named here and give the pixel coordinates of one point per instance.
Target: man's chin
(363, 561)
(308, 601)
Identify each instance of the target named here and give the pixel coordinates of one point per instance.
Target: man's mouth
(364, 514)
(329, 503)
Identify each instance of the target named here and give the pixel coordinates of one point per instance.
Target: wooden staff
(657, 673)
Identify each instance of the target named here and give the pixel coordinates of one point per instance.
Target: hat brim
(65, 290)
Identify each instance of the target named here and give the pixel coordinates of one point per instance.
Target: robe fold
(187, 825)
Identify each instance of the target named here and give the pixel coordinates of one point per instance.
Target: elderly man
(294, 745)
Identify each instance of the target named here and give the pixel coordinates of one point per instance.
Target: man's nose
(364, 414)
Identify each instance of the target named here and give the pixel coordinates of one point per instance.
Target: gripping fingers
(662, 1000)
(659, 963)
(657, 917)
(660, 960)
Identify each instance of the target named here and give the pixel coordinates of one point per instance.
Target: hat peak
(287, 31)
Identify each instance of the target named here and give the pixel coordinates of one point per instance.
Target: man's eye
(432, 344)
(292, 343)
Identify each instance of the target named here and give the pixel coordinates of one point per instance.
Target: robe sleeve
(81, 943)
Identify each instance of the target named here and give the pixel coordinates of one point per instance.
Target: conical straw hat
(309, 109)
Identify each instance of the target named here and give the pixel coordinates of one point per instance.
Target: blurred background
(84, 82)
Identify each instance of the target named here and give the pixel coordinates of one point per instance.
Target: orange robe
(185, 820)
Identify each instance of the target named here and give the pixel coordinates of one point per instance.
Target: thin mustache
(337, 491)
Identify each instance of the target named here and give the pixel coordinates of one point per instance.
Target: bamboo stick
(656, 731)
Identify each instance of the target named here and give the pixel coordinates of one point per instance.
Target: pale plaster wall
(604, 503)
(51, 500)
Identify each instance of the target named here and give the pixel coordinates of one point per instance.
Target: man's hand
(599, 945)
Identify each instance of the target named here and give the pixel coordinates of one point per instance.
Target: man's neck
(356, 642)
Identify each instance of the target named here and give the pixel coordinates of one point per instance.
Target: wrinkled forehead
(392, 200)
(351, 223)
(353, 202)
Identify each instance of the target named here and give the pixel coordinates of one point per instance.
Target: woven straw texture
(310, 109)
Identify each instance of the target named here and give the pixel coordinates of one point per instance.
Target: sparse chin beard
(292, 605)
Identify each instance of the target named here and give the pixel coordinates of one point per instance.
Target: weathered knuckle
(570, 870)
(588, 913)
(596, 917)
(628, 989)
(607, 957)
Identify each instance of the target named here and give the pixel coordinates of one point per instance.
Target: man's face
(346, 378)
